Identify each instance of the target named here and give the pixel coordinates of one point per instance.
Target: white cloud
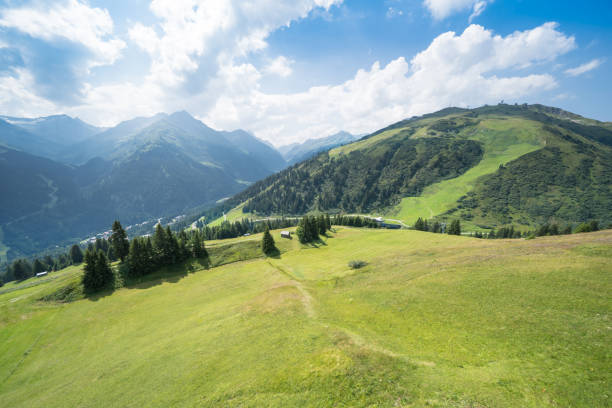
(18, 99)
(73, 21)
(441, 9)
(393, 12)
(198, 36)
(454, 70)
(280, 66)
(479, 7)
(144, 37)
(584, 68)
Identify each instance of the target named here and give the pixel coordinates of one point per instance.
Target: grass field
(432, 320)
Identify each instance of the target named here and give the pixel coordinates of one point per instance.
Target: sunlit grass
(431, 320)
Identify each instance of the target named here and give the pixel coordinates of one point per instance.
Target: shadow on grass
(167, 274)
(317, 243)
(276, 254)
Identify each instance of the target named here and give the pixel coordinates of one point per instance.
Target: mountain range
(63, 179)
(297, 152)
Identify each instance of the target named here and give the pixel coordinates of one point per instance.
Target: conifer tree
(321, 224)
(104, 270)
(197, 248)
(76, 255)
(267, 243)
(455, 228)
(300, 231)
(90, 275)
(119, 241)
(160, 244)
(418, 225)
(21, 269)
(135, 266)
(37, 266)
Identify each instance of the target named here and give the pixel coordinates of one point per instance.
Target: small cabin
(286, 234)
(39, 274)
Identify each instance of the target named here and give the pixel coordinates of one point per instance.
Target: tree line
(454, 228)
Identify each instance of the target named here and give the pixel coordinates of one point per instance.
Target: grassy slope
(432, 320)
(503, 139)
(234, 214)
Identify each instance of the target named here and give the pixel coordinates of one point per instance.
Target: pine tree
(37, 266)
(267, 243)
(300, 231)
(321, 224)
(418, 225)
(455, 228)
(328, 222)
(90, 275)
(21, 269)
(135, 266)
(173, 247)
(196, 245)
(119, 241)
(104, 271)
(76, 255)
(160, 244)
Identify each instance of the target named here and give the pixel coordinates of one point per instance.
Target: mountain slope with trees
(490, 166)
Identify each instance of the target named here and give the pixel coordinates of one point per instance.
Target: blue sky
(291, 70)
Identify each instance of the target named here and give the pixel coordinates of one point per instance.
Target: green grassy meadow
(431, 321)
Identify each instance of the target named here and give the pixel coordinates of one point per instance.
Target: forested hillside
(490, 166)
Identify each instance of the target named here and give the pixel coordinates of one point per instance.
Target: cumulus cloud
(280, 66)
(454, 70)
(73, 21)
(199, 36)
(441, 9)
(584, 68)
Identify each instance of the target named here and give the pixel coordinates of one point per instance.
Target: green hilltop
(430, 320)
(520, 165)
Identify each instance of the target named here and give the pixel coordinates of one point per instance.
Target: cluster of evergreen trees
(423, 225)
(165, 248)
(245, 226)
(354, 221)
(311, 227)
(97, 271)
(23, 268)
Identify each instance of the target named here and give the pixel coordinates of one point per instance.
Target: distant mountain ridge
(297, 152)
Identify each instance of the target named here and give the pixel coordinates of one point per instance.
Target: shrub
(357, 264)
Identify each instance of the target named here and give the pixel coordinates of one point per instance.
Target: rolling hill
(432, 321)
(496, 165)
